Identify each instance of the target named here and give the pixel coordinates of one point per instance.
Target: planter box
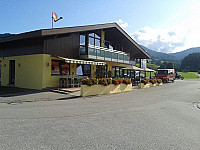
(100, 89)
(142, 86)
(159, 84)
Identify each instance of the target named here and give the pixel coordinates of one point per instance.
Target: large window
(83, 41)
(59, 68)
(101, 71)
(84, 70)
(94, 40)
(117, 71)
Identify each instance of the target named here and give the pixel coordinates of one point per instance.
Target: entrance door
(12, 72)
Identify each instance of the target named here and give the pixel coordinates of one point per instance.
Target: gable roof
(56, 31)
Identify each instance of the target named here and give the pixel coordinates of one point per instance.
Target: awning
(133, 68)
(77, 61)
(148, 70)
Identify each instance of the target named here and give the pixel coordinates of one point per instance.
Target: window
(83, 50)
(101, 71)
(94, 40)
(59, 68)
(117, 71)
(97, 42)
(82, 39)
(91, 40)
(86, 70)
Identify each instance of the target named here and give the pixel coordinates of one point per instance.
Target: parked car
(166, 75)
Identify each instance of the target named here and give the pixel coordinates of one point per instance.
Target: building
(38, 59)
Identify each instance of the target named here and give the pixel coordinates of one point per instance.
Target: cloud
(162, 40)
(181, 36)
(122, 23)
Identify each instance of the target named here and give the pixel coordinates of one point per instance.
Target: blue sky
(166, 26)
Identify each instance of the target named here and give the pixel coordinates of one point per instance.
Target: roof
(132, 68)
(148, 70)
(66, 30)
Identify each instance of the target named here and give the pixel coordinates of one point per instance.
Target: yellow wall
(28, 71)
(100, 89)
(48, 79)
(34, 71)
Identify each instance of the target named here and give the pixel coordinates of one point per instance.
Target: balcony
(101, 53)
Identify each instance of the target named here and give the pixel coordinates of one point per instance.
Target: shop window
(83, 70)
(59, 68)
(101, 71)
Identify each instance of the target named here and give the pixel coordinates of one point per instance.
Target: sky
(165, 26)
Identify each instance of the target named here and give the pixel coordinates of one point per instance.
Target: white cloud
(176, 38)
(122, 23)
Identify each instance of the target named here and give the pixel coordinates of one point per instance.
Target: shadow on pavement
(13, 91)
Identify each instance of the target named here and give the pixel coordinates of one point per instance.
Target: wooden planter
(100, 89)
(159, 84)
(153, 85)
(142, 86)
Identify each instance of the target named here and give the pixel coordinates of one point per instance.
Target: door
(12, 72)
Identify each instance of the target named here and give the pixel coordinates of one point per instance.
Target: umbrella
(133, 68)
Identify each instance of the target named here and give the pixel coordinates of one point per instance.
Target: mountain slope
(186, 52)
(159, 55)
(5, 35)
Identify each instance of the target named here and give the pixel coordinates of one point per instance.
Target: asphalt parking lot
(165, 117)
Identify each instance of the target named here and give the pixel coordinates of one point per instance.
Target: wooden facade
(65, 41)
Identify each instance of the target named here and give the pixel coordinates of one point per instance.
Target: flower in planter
(159, 81)
(103, 81)
(84, 81)
(152, 81)
(115, 81)
(145, 81)
(109, 80)
(94, 81)
(89, 82)
(126, 81)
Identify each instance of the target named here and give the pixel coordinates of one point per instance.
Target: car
(165, 75)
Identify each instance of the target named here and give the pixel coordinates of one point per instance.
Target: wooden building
(38, 59)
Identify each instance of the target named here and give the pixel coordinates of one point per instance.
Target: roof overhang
(116, 34)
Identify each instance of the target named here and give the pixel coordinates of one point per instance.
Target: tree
(191, 62)
(170, 65)
(198, 69)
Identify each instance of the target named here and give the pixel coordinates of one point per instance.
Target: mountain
(160, 55)
(5, 35)
(182, 54)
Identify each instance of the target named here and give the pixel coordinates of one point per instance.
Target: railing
(105, 54)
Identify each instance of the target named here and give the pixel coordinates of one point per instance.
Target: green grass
(189, 75)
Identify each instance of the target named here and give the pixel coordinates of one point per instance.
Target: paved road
(157, 118)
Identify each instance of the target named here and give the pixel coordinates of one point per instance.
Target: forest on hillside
(191, 62)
